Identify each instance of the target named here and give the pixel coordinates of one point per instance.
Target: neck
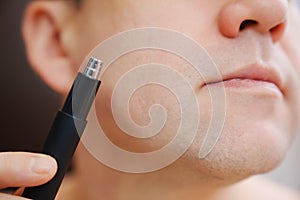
(167, 184)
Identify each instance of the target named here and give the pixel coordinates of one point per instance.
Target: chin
(239, 155)
(255, 139)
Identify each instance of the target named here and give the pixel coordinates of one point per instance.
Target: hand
(21, 169)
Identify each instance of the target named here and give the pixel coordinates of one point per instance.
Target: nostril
(247, 23)
(277, 31)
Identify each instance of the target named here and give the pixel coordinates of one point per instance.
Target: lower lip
(251, 85)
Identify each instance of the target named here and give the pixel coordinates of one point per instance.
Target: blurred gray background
(28, 105)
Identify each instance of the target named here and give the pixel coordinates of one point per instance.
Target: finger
(19, 169)
(11, 197)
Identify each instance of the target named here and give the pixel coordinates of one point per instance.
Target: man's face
(253, 44)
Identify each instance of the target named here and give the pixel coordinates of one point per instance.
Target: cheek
(290, 45)
(166, 120)
(139, 108)
(290, 41)
(95, 23)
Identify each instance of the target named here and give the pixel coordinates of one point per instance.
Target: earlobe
(42, 30)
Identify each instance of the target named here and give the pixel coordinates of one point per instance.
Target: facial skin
(260, 122)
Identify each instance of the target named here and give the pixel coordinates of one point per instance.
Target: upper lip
(259, 72)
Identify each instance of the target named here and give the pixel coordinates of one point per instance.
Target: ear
(43, 26)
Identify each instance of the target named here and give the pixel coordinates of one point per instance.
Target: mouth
(252, 77)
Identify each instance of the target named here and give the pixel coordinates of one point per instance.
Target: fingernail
(41, 165)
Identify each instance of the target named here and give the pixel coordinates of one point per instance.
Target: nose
(264, 16)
